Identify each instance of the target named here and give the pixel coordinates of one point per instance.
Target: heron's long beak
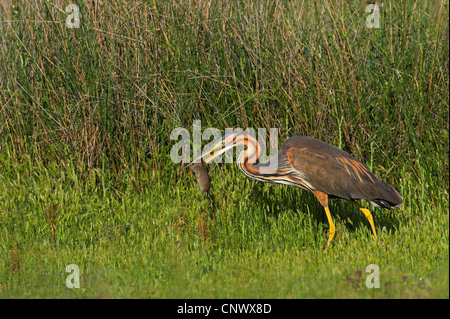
(209, 155)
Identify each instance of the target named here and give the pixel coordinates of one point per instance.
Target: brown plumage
(332, 171)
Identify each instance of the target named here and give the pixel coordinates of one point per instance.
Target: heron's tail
(389, 199)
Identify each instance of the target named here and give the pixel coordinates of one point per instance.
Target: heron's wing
(336, 173)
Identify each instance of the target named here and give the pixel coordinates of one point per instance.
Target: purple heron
(313, 165)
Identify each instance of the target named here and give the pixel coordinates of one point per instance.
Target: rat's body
(202, 176)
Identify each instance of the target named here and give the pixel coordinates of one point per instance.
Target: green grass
(85, 172)
(162, 242)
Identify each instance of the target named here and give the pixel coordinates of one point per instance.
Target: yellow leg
(332, 229)
(368, 216)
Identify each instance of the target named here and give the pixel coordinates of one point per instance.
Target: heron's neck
(249, 161)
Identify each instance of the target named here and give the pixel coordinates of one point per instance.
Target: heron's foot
(332, 230)
(370, 219)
